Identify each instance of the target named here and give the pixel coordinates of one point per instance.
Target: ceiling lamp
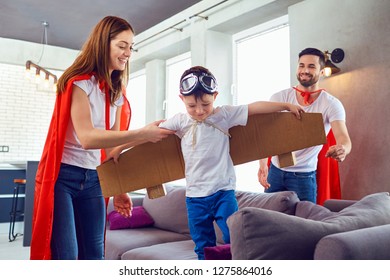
(40, 72)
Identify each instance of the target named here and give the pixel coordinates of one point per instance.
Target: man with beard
(301, 177)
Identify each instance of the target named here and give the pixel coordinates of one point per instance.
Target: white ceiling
(71, 21)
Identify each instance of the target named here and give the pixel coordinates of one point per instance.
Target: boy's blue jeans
(202, 211)
(303, 183)
(79, 215)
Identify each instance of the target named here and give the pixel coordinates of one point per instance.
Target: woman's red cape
(48, 169)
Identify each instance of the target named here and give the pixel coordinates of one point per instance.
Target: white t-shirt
(74, 154)
(205, 147)
(331, 109)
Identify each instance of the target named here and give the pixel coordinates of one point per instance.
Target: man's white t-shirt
(205, 148)
(331, 109)
(74, 154)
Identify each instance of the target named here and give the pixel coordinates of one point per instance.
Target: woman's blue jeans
(303, 183)
(79, 215)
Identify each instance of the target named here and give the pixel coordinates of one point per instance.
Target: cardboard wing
(275, 134)
(152, 164)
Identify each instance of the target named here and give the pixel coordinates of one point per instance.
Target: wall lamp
(336, 56)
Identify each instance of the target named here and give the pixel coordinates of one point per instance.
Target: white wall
(25, 112)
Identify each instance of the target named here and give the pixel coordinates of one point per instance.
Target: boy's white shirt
(205, 147)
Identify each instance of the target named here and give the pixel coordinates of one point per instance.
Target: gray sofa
(359, 231)
(279, 218)
(169, 237)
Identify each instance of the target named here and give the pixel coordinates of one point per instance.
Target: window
(175, 68)
(262, 68)
(173, 104)
(136, 93)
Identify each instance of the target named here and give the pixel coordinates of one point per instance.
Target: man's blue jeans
(203, 211)
(79, 215)
(303, 183)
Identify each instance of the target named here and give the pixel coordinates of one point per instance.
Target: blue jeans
(203, 211)
(303, 183)
(79, 215)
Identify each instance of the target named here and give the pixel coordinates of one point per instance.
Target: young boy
(209, 171)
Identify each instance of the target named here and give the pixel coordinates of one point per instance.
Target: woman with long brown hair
(89, 114)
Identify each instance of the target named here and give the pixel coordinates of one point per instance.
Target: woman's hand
(262, 174)
(153, 133)
(123, 204)
(114, 154)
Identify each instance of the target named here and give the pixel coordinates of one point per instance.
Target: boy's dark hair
(314, 51)
(197, 69)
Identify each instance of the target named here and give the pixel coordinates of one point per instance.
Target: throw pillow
(169, 212)
(280, 201)
(221, 252)
(312, 211)
(285, 202)
(263, 234)
(139, 218)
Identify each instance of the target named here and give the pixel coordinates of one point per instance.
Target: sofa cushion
(311, 211)
(263, 234)
(139, 218)
(284, 202)
(178, 250)
(121, 241)
(221, 252)
(169, 212)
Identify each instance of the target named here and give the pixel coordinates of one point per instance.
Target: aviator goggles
(202, 81)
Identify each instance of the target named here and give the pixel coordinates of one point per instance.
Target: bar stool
(19, 183)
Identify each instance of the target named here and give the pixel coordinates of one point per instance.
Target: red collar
(306, 94)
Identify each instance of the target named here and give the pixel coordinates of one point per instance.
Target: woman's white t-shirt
(73, 153)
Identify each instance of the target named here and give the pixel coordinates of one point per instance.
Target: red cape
(328, 178)
(48, 169)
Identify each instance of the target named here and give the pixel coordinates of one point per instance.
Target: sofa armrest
(336, 205)
(137, 199)
(363, 244)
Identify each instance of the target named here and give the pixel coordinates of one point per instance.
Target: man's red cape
(328, 178)
(48, 169)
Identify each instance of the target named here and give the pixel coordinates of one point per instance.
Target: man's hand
(336, 152)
